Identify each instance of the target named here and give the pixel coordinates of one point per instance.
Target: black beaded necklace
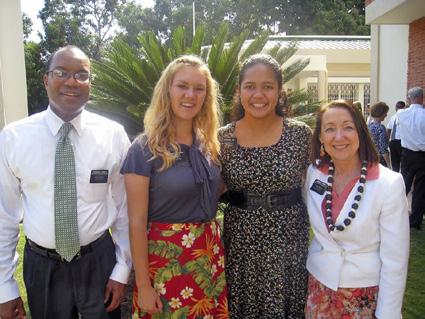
(354, 206)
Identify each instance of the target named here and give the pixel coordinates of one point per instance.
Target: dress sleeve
(138, 160)
(393, 250)
(382, 140)
(309, 136)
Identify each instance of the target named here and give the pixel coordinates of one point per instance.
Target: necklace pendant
(352, 214)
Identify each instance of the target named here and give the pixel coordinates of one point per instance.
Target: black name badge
(99, 176)
(229, 141)
(319, 187)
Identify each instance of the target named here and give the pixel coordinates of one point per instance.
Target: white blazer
(373, 250)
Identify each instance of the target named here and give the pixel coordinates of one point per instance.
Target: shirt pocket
(92, 192)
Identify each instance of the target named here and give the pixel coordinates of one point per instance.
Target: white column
(302, 83)
(360, 93)
(322, 85)
(13, 88)
(374, 62)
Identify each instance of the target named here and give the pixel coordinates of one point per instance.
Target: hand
(13, 309)
(114, 292)
(148, 300)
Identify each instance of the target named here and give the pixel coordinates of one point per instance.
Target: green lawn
(414, 300)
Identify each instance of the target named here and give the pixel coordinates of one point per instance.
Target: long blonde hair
(159, 132)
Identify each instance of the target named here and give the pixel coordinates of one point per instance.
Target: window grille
(343, 91)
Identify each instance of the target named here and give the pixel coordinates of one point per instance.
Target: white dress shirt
(390, 126)
(373, 250)
(411, 124)
(27, 156)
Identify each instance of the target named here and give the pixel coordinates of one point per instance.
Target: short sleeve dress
(379, 137)
(266, 249)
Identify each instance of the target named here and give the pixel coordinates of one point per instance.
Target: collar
(54, 122)
(372, 171)
(414, 106)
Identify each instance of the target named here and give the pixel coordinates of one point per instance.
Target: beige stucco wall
(349, 69)
(389, 64)
(13, 89)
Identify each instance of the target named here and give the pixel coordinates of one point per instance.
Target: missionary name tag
(99, 176)
(319, 187)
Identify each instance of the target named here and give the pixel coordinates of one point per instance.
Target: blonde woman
(172, 180)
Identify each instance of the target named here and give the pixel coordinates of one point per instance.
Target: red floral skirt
(186, 266)
(345, 303)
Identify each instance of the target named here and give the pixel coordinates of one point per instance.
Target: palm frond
(290, 71)
(125, 78)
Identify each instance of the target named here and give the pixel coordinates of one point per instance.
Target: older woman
(358, 211)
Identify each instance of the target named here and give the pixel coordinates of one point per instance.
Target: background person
(264, 155)
(61, 168)
(412, 132)
(379, 112)
(172, 180)
(358, 106)
(358, 257)
(393, 135)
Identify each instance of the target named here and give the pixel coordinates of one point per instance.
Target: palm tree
(124, 79)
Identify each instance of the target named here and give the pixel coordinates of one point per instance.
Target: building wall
(389, 64)
(368, 1)
(349, 69)
(416, 70)
(13, 88)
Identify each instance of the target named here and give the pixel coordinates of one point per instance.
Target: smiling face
(339, 136)
(187, 93)
(259, 92)
(67, 97)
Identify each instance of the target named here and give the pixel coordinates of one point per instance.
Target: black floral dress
(266, 250)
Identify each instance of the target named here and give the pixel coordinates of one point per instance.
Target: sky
(32, 7)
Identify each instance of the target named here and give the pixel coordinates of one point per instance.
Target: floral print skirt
(345, 303)
(186, 266)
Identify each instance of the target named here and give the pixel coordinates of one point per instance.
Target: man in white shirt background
(393, 135)
(60, 175)
(411, 123)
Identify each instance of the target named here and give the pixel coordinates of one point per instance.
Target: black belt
(53, 254)
(252, 201)
(414, 152)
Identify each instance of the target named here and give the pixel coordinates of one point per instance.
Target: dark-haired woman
(358, 211)
(264, 156)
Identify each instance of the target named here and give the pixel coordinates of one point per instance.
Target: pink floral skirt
(345, 303)
(186, 266)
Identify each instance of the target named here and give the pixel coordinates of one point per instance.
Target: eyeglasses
(82, 77)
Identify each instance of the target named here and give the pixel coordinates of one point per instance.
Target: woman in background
(379, 112)
(358, 211)
(264, 155)
(172, 181)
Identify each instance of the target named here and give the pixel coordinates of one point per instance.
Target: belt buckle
(270, 202)
(76, 257)
(253, 201)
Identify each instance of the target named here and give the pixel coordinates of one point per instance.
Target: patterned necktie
(66, 226)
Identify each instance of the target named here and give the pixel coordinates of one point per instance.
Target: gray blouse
(185, 192)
